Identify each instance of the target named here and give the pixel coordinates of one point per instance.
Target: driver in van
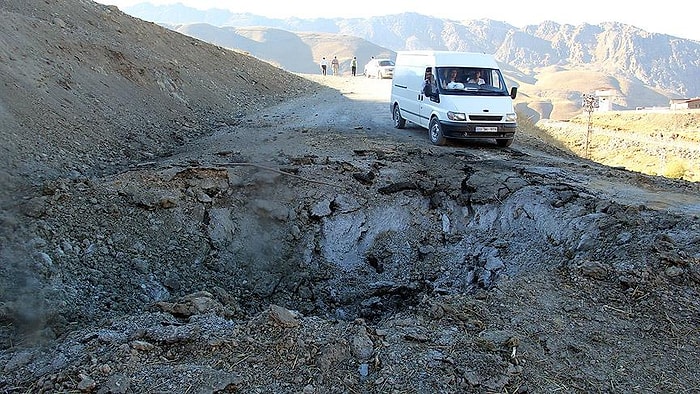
(477, 78)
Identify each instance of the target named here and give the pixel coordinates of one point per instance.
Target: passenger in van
(429, 87)
(476, 78)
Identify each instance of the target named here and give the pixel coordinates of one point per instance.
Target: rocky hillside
(102, 89)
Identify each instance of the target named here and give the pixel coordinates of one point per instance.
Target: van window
(471, 81)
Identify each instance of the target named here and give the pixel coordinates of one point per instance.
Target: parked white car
(379, 68)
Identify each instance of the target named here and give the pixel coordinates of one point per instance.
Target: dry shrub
(675, 169)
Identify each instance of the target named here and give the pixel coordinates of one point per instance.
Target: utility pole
(590, 103)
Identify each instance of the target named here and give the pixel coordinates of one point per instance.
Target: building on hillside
(605, 99)
(679, 104)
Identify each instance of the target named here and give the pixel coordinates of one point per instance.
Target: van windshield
(469, 80)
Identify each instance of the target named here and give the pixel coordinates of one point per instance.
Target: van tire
(504, 143)
(435, 132)
(399, 121)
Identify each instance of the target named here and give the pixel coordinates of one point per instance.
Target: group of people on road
(335, 66)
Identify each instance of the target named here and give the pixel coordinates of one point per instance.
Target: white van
(466, 97)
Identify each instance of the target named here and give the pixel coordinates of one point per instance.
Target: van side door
(428, 97)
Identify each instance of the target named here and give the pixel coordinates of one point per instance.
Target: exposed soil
(285, 238)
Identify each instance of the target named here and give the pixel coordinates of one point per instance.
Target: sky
(673, 17)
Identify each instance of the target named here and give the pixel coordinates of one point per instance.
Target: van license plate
(487, 129)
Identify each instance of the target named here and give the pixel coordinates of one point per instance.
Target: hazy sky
(669, 17)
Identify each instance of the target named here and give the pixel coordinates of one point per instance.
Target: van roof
(449, 58)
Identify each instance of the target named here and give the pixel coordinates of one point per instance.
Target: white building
(605, 99)
(679, 104)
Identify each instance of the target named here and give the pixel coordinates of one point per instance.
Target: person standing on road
(335, 65)
(324, 66)
(353, 66)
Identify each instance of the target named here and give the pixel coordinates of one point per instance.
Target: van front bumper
(467, 130)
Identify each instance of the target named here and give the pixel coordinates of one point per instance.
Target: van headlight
(456, 116)
(511, 117)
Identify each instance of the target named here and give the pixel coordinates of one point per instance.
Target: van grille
(485, 118)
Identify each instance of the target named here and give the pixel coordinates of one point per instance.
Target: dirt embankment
(656, 143)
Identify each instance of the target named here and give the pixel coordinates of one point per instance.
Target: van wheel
(503, 143)
(435, 132)
(399, 122)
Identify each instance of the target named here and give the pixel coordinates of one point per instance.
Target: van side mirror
(513, 92)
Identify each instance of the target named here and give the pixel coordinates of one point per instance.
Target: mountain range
(552, 64)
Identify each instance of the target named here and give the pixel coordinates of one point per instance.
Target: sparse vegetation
(671, 124)
(675, 169)
(655, 143)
